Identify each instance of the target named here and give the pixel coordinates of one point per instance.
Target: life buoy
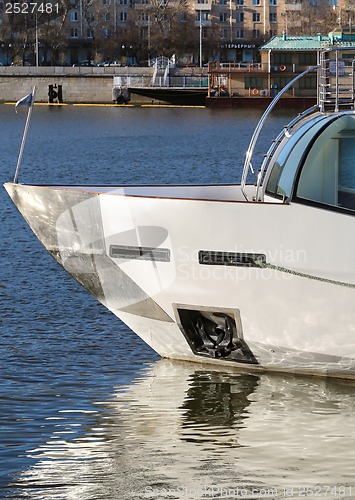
(282, 68)
(255, 92)
(52, 94)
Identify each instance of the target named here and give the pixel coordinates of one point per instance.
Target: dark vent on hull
(142, 253)
(215, 258)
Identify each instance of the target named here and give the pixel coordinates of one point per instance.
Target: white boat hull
(293, 310)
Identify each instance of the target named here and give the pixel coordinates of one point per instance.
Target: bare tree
(347, 14)
(312, 17)
(52, 34)
(94, 14)
(36, 23)
(169, 27)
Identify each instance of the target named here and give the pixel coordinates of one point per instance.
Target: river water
(87, 410)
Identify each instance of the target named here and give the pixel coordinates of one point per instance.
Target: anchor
(217, 339)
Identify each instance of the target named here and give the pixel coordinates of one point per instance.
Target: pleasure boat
(274, 289)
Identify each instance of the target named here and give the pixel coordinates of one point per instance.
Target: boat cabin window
(283, 172)
(328, 172)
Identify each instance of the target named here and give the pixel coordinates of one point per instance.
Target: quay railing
(185, 81)
(234, 66)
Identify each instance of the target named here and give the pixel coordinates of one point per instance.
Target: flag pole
(24, 136)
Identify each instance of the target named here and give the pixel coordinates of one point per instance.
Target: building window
(223, 18)
(107, 17)
(90, 33)
(273, 17)
(224, 33)
(309, 83)
(223, 2)
(256, 3)
(256, 17)
(253, 82)
(272, 33)
(123, 17)
(239, 33)
(202, 15)
(106, 32)
(240, 17)
(239, 2)
(333, 3)
(74, 33)
(281, 59)
(314, 3)
(273, 3)
(256, 33)
(308, 59)
(282, 81)
(106, 2)
(73, 15)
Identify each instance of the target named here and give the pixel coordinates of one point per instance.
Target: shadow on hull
(178, 97)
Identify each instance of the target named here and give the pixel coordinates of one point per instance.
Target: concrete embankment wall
(79, 84)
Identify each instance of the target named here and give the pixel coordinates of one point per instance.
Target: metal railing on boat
(248, 157)
(336, 90)
(336, 81)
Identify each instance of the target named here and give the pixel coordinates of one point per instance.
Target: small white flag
(25, 101)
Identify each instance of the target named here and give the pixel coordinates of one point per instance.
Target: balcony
(236, 67)
(292, 7)
(203, 6)
(205, 24)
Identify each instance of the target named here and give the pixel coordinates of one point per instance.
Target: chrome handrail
(250, 150)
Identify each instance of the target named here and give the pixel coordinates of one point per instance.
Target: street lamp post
(231, 20)
(201, 28)
(37, 55)
(149, 40)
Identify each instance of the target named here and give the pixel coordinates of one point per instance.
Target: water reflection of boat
(152, 436)
(216, 401)
(260, 275)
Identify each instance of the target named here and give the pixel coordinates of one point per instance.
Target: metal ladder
(336, 81)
